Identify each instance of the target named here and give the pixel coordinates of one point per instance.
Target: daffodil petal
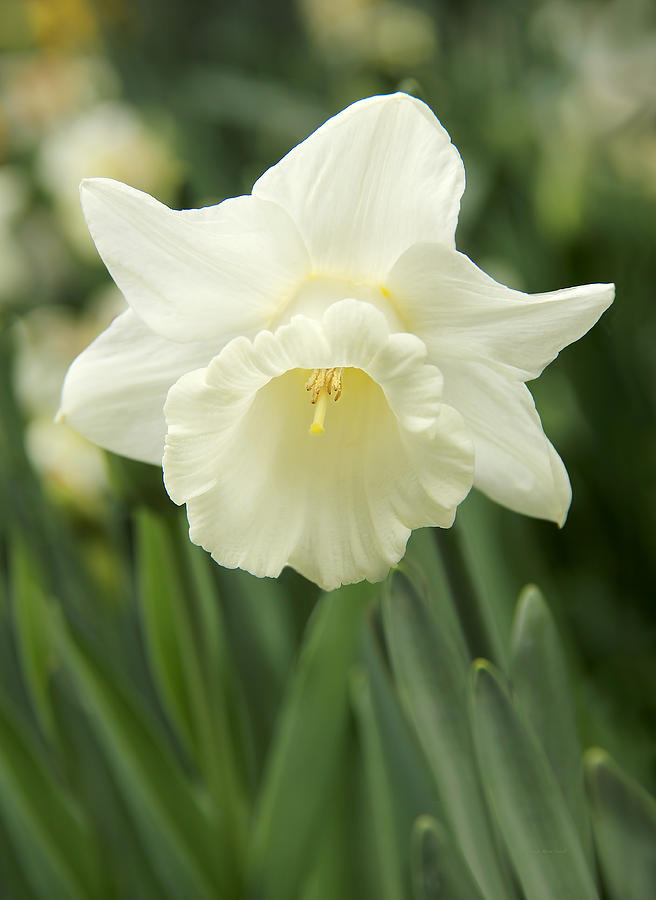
(375, 179)
(195, 274)
(262, 492)
(515, 463)
(115, 390)
(460, 312)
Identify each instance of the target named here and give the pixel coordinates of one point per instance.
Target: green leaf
(543, 697)
(423, 563)
(470, 593)
(432, 677)
(180, 631)
(411, 780)
(305, 758)
(389, 870)
(186, 843)
(483, 535)
(538, 830)
(438, 871)
(220, 755)
(624, 820)
(13, 876)
(210, 625)
(263, 646)
(51, 839)
(32, 625)
(128, 869)
(331, 873)
(166, 628)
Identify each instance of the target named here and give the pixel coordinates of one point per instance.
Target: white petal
(515, 464)
(460, 312)
(375, 179)
(195, 274)
(262, 492)
(114, 391)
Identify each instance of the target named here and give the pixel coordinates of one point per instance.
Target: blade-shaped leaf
(178, 648)
(543, 697)
(305, 757)
(166, 627)
(438, 872)
(128, 871)
(539, 833)
(331, 874)
(411, 780)
(389, 869)
(223, 765)
(13, 877)
(423, 557)
(49, 834)
(624, 820)
(185, 843)
(470, 593)
(432, 677)
(210, 624)
(482, 527)
(32, 626)
(263, 644)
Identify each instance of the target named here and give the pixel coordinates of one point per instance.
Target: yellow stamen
(322, 384)
(334, 383)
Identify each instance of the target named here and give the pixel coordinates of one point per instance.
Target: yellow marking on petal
(386, 294)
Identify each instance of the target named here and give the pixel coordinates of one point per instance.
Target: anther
(322, 384)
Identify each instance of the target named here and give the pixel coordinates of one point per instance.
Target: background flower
(112, 140)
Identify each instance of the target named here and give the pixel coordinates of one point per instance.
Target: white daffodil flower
(315, 366)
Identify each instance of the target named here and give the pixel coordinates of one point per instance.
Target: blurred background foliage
(553, 108)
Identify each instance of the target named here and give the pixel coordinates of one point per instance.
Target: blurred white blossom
(38, 93)
(606, 107)
(45, 340)
(612, 71)
(380, 31)
(110, 138)
(67, 462)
